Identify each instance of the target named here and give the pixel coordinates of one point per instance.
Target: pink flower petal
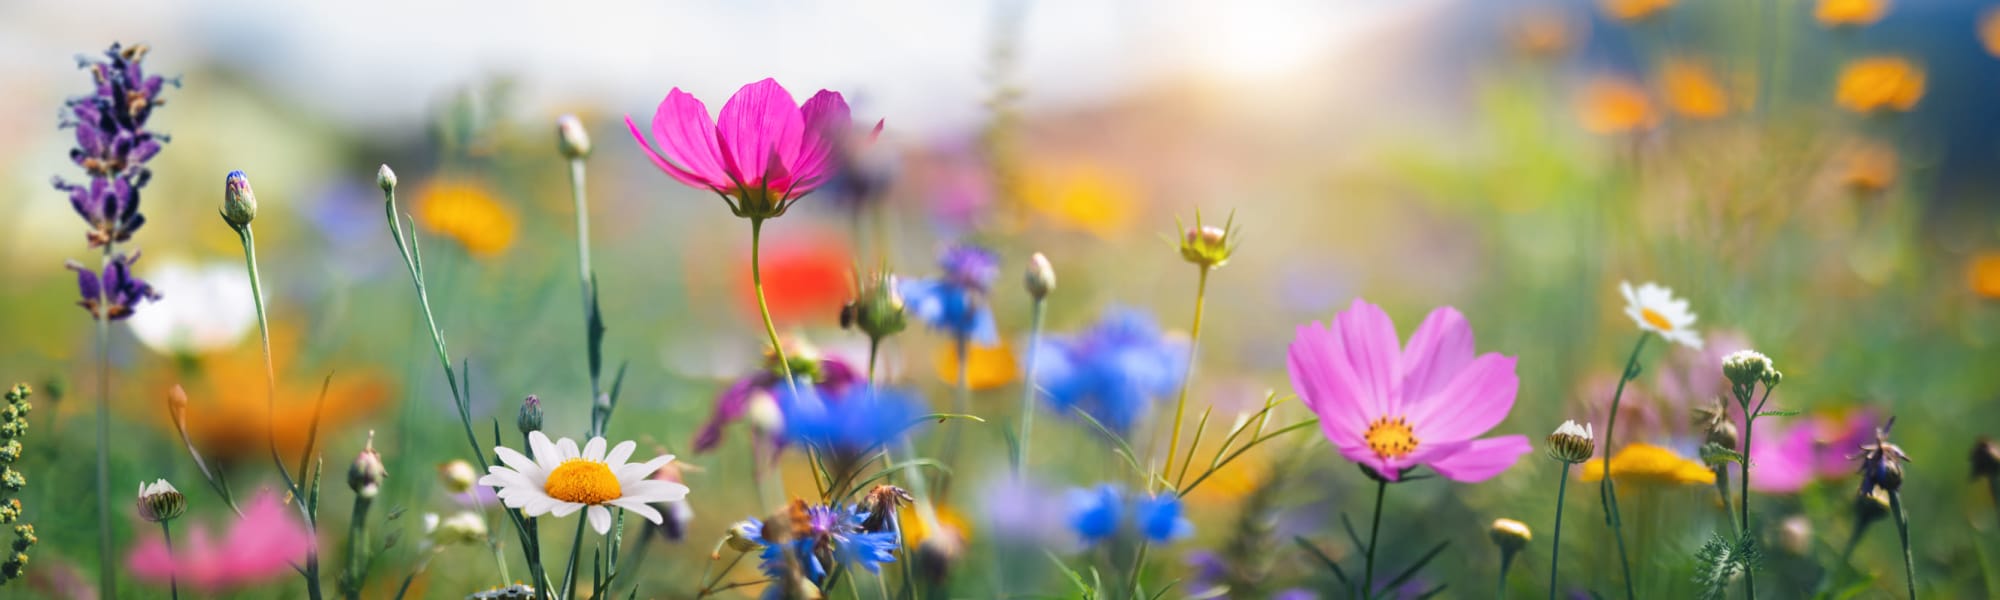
(1322, 379)
(1440, 348)
(668, 167)
(760, 121)
(1482, 459)
(687, 135)
(1781, 460)
(1368, 341)
(827, 121)
(1477, 399)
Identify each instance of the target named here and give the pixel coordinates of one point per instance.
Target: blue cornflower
(1113, 371)
(822, 535)
(1104, 512)
(851, 420)
(956, 302)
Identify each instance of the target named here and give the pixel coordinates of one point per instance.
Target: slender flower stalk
(1745, 370)
(1510, 536)
(1569, 445)
(1187, 376)
(574, 144)
(1903, 532)
(1374, 532)
(1555, 541)
(1608, 490)
(159, 502)
(173, 581)
(1206, 247)
(1040, 280)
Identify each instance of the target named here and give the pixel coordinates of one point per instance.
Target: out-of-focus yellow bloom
(988, 367)
(1692, 90)
(1868, 167)
(1610, 106)
(914, 530)
(1084, 196)
(1880, 83)
(1989, 30)
(1541, 32)
(1983, 275)
(467, 211)
(1850, 13)
(1649, 464)
(1634, 10)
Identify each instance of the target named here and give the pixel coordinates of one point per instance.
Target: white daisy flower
(1655, 309)
(561, 480)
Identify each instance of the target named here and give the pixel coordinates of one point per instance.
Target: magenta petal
(1784, 463)
(827, 121)
(687, 135)
(1321, 378)
(1440, 348)
(1368, 339)
(759, 120)
(1477, 399)
(665, 166)
(1482, 459)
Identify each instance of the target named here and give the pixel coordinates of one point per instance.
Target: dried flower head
(877, 308)
(1572, 443)
(1882, 462)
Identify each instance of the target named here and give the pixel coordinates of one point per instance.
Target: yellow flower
(1634, 10)
(1083, 196)
(1989, 30)
(1983, 275)
(1868, 167)
(467, 211)
(1850, 13)
(1612, 106)
(1649, 464)
(1692, 90)
(1880, 83)
(989, 367)
(914, 530)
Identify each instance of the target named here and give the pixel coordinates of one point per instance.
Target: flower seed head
(159, 501)
(1985, 459)
(1748, 367)
(1510, 535)
(457, 476)
(530, 417)
(366, 474)
(239, 203)
(1572, 443)
(571, 138)
(1041, 278)
(386, 178)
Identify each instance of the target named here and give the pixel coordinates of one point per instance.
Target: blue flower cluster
(1114, 371)
(1104, 512)
(956, 302)
(822, 536)
(850, 420)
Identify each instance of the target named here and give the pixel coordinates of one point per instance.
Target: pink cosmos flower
(1393, 408)
(262, 544)
(1810, 448)
(764, 150)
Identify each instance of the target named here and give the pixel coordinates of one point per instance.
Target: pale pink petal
(1476, 400)
(760, 121)
(1322, 379)
(1781, 460)
(1441, 346)
(1368, 339)
(1482, 459)
(668, 167)
(687, 135)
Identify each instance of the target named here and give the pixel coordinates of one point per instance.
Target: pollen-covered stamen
(1654, 318)
(1391, 438)
(583, 481)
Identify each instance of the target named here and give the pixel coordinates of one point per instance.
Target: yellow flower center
(1656, 319)
(583, 481)
(1391, 438)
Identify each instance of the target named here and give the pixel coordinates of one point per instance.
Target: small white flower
(155, 488)
(1570, 428)
(1655, 309)
(561, 479)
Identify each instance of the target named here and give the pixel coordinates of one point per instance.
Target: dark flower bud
(1985, 459)
(1723, 433)
(530, 417)
(1871, 507)
(571, 138)
(366, 474)
(239, 203)
(882, 503)
(159, 501)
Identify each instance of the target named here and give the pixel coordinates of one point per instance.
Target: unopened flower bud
(742, 536)
(1572, 443)
(239, 203)
(1510, 535)
(177, 402)
(386, 178)
(530, 417)
(159, 501)
(938, 554)
(571, 138)
(1206, 246)
(457, 476)
(463, 527)
(1747, 368)
(366, 474)
(1871, 507)
(1985, 459)
(1041, 278)
(877, 310)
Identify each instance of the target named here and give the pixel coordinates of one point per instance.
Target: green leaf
(1405, 576)
(1331, 566)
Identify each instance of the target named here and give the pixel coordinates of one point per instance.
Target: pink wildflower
(764, 151)
(262, 544)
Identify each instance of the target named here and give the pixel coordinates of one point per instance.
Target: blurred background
(1817, 177)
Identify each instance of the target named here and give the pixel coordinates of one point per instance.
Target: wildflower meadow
(1590, 299)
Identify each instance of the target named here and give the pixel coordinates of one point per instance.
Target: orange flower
(1692, 90)
(467, 211)
(1541, 31)
(1612, 106)
(1634, 10)
(1983, 275)
(988, 368)
(914, 530)
(1868, 167)
(228, 404)
(807, 277)
(1880, 83)
(1850, 13)
(1083, 196)
(1989, 30)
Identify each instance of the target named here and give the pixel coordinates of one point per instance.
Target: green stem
(763, 307)
(1187, 377)
(584, 281)
(1500, 588)
(107, 580)
(298, 491)
(1608, 490)
(357, 547)
(1722, 490)
(173, 580)
(1743, 506)
(962, 404)
(1028, 389)
(1374, 531)
(1555, 543)
(575, 552)
(1903, 531)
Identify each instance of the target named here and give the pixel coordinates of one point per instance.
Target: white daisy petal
(546, 453)
(653, 490)
(638, 507)
(568, 448)
(636, 471)
(600, 518)
(565, 508)
(514, 458)
(620, 453)
(594, 449)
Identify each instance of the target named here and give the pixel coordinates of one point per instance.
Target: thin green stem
(306, 503)
(1500, 587)
(173, 580)
(1722, 491)
(763, 307)
(1555, 543)
(575, 553)
(1608, 490)
(1903, 531)
(961, 404)
(357, 547)
(1187, 376)
(1743, 506)
(1027, 430)
(107, 580)
(1138, 564)
(1374, 532)
(586, 283)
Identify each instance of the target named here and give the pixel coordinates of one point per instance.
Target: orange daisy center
(1391, 438)
(1656, 319)
(583, 481)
